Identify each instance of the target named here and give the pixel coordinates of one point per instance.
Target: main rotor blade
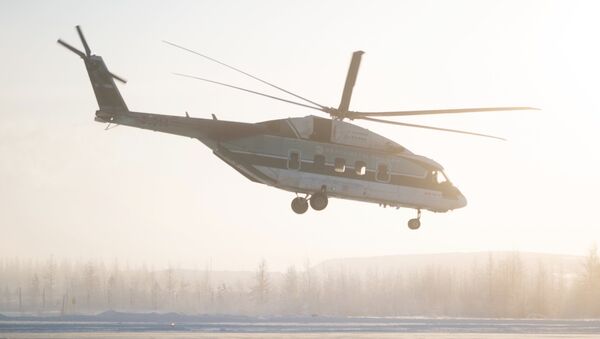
(245, 73)
(85, 45)
(350, 81)
(429, 127)
(354, 114)
(71, 48)
(249, 91)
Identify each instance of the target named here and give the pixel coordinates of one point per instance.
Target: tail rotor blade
(118, 78)
(350, 81)
(86, 56)
(71, 48)
(83, 41)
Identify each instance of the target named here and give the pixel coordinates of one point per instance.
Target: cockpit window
(438, 177)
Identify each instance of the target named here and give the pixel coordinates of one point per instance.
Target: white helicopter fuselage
(312, 154)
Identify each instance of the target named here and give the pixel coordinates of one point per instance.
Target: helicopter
(313, 157)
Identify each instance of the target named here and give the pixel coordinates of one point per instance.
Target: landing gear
(299, 205)
(319, 201)
(415, 223)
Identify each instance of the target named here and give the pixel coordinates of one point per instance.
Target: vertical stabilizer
(107, 94)
(103, 81)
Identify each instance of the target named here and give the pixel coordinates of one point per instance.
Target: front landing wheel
(299, 205)
(414, 224)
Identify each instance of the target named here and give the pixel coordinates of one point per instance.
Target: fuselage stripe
(278, 162)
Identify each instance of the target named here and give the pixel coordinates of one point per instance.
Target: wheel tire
(299, 205)
(414, 224)
(318, 201)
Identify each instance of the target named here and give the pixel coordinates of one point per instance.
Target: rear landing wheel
(318, 201)
(414, 224)
(299, 205)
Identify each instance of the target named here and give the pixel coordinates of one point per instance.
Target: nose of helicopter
(455, 198)
(461, 201)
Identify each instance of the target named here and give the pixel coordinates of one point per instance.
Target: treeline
(500, 287)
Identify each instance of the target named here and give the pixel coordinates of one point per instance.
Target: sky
(70, 189)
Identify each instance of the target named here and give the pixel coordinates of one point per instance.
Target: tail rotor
(110, 101)
(88, 53)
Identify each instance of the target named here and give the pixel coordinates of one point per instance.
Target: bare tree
(222, 298)
(170, 286)
(34, 293)
(204, 291)
(310, 291)
(589, 293)
(49, 282)
(290, 298)
(155, 294)
(260, 290)
(90, 282)
(111, 289)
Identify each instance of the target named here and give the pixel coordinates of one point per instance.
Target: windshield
(439, 177)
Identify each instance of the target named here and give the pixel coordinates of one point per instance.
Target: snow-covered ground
(309, 327)
(337, 335)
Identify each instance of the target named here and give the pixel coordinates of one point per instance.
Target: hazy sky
(72, 190)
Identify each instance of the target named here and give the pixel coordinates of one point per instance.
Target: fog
(498, 285)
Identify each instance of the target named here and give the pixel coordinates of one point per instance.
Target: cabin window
(294, 160)
(319, 161)
(340, 165)
(360, 167)
(383, 172)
